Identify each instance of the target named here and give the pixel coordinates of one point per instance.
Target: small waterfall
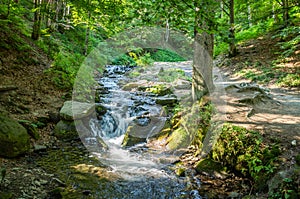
(143, 174)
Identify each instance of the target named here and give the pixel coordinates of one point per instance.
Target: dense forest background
(68, 30)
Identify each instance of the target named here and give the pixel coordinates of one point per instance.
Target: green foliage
(221, 48)
(124, 60)
(64, 69)
(244, 151)
(287, 190)
(162, 55)
(289, 80)
(290, 37)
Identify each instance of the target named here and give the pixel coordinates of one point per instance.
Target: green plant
(287, 190)
(163, 55)
(290, 80)
(244, 151)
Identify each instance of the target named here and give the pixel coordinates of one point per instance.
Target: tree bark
(203, 51)
(285, 7)
(232, 46)
(37, 20)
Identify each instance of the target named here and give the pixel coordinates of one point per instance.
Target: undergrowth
(244, 152)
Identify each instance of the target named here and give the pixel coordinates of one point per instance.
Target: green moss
(178, 139)
(160, 90)
(14, 139)
(243, 151)
(208, 165)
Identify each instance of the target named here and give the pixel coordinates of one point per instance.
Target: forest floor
(31, 95)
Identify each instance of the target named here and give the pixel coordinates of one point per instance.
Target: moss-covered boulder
(160, 90)
(14, 139)
(178, 139)
(65, 130)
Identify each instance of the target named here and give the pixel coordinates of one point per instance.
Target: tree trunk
(203, 52)
(87, 36)
(285, 7)
(37, 20)
(232, 47)
(249, 16)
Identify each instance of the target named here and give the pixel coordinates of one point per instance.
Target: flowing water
(143, 176)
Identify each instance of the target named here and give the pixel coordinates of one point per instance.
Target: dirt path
(273, 111)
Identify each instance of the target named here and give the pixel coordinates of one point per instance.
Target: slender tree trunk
(87, 35)
(249, 16)
(203, 52)
(232, 46)
(286, 17)
(37, 20)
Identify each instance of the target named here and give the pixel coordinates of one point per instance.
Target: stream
(144, 172)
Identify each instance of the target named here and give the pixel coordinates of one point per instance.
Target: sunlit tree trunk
(249, 16)
(203, 51)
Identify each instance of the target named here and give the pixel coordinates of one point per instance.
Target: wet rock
(136, 133)
(132, 137)
(76, 110)
(65, 130)
(14, 139)
(166, 100)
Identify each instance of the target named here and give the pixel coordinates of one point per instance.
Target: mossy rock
(14, 139)
(160, 90)
(131, 138)
(65, 130)
(31, 128)
(178, 139)
(76, 110)
(208, 165)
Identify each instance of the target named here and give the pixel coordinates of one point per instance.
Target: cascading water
(144, 176)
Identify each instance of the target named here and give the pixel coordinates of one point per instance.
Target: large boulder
(76, 110)
(14, 139)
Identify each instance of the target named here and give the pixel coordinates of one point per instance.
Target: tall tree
(232, 46)
(37, 20)
(203, 48)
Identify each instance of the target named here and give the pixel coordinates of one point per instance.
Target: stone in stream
(14, 139)
(136, 133)
(168, 100)
(76, 110)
